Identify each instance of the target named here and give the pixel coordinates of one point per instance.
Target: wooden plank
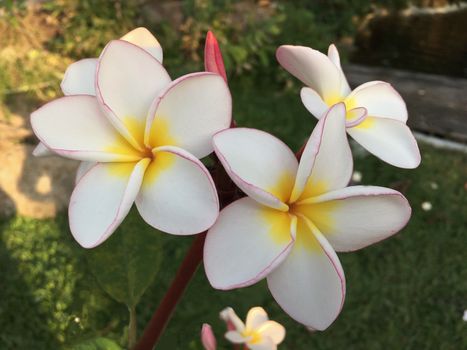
(437, 104)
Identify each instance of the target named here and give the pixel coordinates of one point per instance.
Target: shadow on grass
(22, 319)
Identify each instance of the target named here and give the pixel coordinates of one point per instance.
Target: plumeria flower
(295, 217)
(376, 114)
(143, 136)
(79, 77)
(258, 333)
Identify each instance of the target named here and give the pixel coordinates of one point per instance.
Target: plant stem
(161, 317)
(132, 328)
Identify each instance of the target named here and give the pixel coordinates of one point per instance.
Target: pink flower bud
(207, 337)
(213, 61)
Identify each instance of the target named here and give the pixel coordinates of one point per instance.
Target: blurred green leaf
(99, 343)
(126, 264)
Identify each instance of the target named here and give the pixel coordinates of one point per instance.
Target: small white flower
(426, 206)
(258, 333)
(464, 318)
(376, 115)
(357, 176)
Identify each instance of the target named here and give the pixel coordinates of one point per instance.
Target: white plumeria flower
(79, 78)
(258, 333)
(295, 217)
(143, 135)
(376, 114)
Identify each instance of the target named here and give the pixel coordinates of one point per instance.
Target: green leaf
(99, 343)
(126, 264)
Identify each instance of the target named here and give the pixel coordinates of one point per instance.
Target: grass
(408, 292)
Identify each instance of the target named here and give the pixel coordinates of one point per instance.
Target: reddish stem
(161, 317)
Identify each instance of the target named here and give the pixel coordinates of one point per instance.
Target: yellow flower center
(254, 337)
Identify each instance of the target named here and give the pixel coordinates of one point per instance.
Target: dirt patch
(30, 186)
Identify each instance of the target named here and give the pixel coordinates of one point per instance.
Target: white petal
(313, 102)
(265, 344)
(102, 199)
(75, 127)
(256, 317)
(259, 163)
(178, 195)
(128, 80)
(189, 112)
(229, 316)
(144, 39)
(41, 150)
(83, 168)
(235, 337)
(272, 330)
(310, 284)
(314, 69)
(326, 162)
(380, 99)
(388, 139)
(246, 243)
(355, 217)
(80, 78)
(333, 55)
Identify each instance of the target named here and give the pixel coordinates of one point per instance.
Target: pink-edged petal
(310, 284)
(235, 337)
(259, 163)
(247, 242)
(314, 69)
(83, 168)
(326, 162)
(207, 337)
(128, 80)
(355, 116)
(355, 217)
(189, 112)
(388, 139)
(231, 319)
(178, 195)
(333, 55)
(41, 150)
(213, 61)
(380, 99)
(313, 102)
(144, 39)
(272, 330)
(102, 199)
(80, 78)
(75, 127)
(255, 318)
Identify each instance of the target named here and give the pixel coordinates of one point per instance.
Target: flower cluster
(297, 214)
(140, 136)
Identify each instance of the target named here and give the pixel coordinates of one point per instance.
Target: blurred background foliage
(57, 32)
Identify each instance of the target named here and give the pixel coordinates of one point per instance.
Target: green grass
(408, 292)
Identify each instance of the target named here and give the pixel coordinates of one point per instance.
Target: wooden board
(437, 104)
